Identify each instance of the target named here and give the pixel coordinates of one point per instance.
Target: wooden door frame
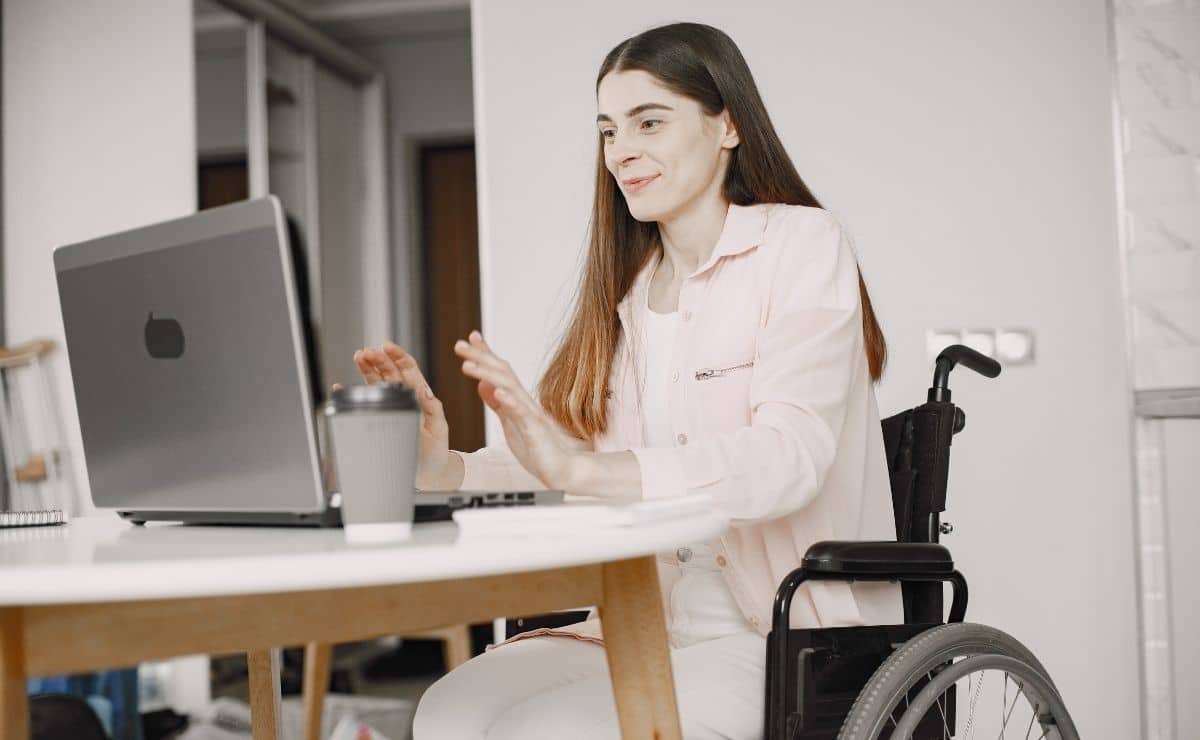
(439, 368)
(4, 492)
(418, 298)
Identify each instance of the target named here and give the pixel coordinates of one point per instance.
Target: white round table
(99, 592)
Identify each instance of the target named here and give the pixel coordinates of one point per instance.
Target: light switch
(1014, 346)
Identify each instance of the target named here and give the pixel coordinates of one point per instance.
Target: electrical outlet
(1014, 346)
(982, 341)
(937, 340)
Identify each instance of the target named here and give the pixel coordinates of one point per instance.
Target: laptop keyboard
(427, 513)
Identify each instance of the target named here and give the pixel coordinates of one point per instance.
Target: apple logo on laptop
(164, 338)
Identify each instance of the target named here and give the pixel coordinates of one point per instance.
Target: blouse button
(684, 554)
(681, 439)
(721, 561)
(674, 376)
(687, 315)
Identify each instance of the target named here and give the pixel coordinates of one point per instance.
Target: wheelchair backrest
(917, 444)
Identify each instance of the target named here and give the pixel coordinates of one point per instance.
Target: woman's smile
(637, 184)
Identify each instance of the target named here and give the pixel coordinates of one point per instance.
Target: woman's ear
(730, 140)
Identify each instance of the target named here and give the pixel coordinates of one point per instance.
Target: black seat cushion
(875, 558)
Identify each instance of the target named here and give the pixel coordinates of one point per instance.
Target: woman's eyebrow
(636, 110)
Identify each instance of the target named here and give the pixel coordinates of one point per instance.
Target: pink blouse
(773, 411)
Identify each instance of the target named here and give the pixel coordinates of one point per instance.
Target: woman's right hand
(437, 467)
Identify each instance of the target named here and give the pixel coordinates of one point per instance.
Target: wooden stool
(456, 646)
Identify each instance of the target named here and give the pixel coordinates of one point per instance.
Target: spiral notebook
(31, 518)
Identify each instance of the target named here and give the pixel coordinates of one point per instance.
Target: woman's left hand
(534, 438)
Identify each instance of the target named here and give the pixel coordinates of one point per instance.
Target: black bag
(63, 717)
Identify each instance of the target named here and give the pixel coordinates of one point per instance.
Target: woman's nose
(621, 150)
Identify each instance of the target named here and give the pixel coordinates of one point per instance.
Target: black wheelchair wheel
(924, 689)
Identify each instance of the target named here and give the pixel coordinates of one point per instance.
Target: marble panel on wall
(1158, 85)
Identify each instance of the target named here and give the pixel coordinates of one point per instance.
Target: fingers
(475, 349)
(500, 379)
(494, 397)
(390, 363)
(481, 363)
(366, 369)
(501, 393)
(410, 372)
(431, 406)
(383, 365)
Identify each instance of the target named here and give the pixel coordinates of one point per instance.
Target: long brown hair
(702, 63)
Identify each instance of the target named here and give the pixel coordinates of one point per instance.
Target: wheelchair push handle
(959, 354)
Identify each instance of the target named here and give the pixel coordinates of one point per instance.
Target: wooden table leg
(265, 718)
(639, 659)
(316, 681)
(14, 707)
(456, 645)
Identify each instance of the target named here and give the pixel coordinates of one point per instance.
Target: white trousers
(559, 687)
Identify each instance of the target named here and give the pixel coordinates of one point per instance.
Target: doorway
(450, 271)
(220, 181)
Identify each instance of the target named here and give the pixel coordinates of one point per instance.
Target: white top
(657, 348)
(103, 558)
(700, 606)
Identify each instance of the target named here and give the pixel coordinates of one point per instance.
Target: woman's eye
(651, 123)
(608, 134)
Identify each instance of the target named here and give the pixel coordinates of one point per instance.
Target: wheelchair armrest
(851, 558)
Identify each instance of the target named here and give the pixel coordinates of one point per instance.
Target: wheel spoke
(968, 730)
(941, 705)
(1003, 708)
(1010, 709)
(1020, 692)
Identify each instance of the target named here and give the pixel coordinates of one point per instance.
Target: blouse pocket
(708, 373)
(722, 393)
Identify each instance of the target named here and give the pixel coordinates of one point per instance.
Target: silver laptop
(188, 362)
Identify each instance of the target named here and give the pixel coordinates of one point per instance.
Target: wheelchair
(916, 679)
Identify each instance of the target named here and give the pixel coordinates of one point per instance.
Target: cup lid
(375, 397)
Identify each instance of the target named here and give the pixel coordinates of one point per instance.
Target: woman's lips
(636, 184)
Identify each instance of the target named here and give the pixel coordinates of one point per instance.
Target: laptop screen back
(185, 355)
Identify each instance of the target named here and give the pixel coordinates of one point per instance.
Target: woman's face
(664, 152)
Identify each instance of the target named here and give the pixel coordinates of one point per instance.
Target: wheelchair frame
(811, 672)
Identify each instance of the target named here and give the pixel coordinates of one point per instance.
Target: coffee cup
(374, 437)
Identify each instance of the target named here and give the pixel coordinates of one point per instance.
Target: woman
(722, 342)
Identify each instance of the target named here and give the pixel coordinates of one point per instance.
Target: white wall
(99, 136)
(968, 150)
(429, 99)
